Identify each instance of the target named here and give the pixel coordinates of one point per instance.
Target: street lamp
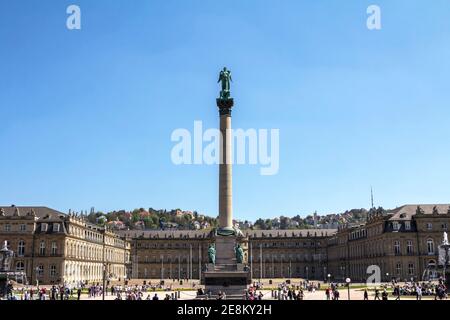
(37, 277)
(104, 279)
(348, 280)
(387, 276)
(329, 276)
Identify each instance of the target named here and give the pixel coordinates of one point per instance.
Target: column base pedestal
(226, 275)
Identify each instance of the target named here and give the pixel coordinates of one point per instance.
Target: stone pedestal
(232, 283)
(226, 275)
(225, 254)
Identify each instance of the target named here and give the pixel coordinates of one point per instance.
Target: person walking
(366, 294)
(377, 294)
(327, 293)
(418, 293)
(397, 292)
(384, 295)
(336, 295)
(53, 293)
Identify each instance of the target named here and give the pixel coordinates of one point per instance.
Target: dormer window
(44, 227)
(56, 227)
(408, 225)
(395, 226)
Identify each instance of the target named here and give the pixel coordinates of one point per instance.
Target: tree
(260, 224)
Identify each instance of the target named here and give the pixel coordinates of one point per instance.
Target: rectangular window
(44, 227)
(52, 271)
(21, 248)
(430, 247)
(395, 226)
(407, 225)
(56, 227)
(23, 227)
(397, 247)
(411, 269)
(429, 226)
(42, 248)
(7, 227)
(398, 269)
(410, 248)
(54, 248)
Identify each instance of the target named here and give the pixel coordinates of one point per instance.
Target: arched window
(430, 246)
(20, 266)
(21, 248)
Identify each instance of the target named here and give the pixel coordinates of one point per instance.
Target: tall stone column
(227, 274)
(225, 168)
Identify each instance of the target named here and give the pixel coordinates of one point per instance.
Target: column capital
(225, 106)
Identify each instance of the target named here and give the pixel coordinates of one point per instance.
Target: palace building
(52, 247)
(268, 254)
(403, 243)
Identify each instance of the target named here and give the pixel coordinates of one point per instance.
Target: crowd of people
(332, 292)
(252, 294)
(418, 290)
(62, 292)
(284, 291)
(411, 289)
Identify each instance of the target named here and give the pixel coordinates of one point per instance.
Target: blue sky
(87, 115)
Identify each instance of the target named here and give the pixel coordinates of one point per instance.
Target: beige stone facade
(403, 243)
(53, 248)
(268, 254)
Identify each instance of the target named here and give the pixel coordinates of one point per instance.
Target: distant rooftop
(174, 234)
(40, 212)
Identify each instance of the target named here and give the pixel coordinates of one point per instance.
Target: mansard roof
(406, 212)
(289, 233)
(165, 234)
(39, 211)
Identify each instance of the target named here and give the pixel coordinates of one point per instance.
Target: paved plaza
(316, 290)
